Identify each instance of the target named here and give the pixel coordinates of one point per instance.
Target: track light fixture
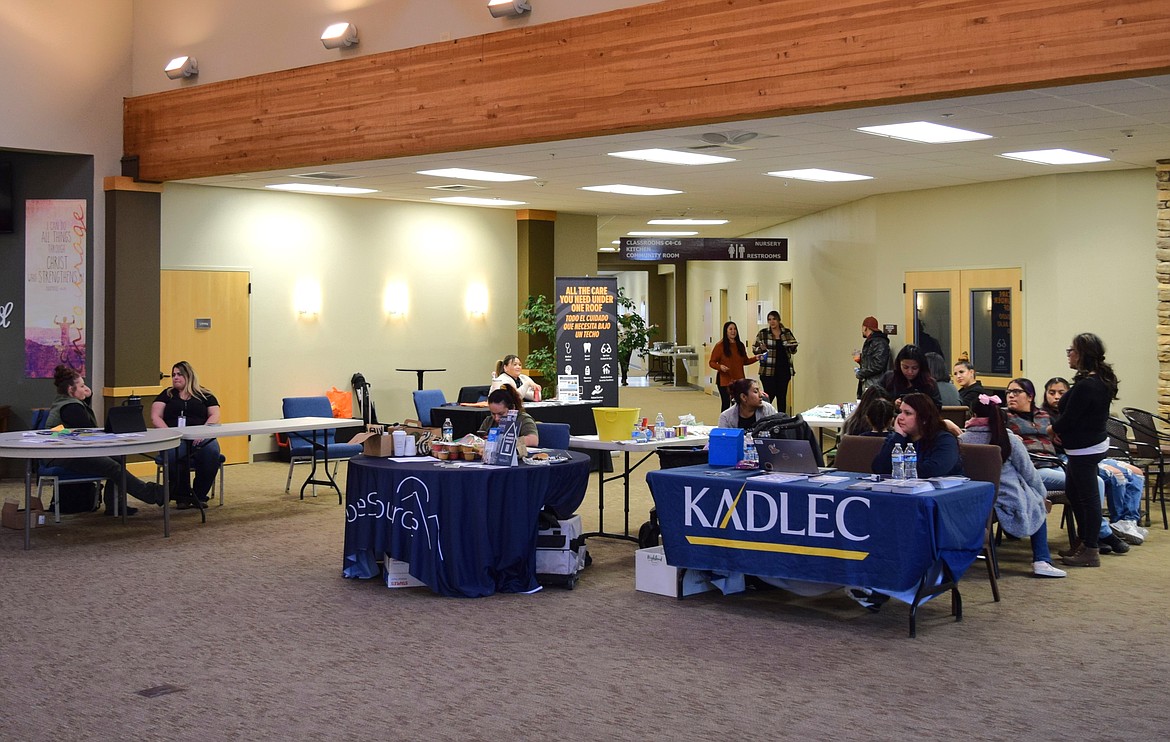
(340, 36)
(182, 67)
(508, 8)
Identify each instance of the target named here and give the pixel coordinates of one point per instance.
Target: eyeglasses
(1013, 392)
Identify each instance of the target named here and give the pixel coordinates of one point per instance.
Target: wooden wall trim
(126, 183)
(673, 63)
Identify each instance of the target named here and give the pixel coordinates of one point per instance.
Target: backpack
(79, 497)
(788, 428)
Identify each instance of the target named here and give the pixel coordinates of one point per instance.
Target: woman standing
(1020, 499)
(776, 345)
(919, 422)
(1080, 429)
(188, 403)
(508, 373)
(728, 358)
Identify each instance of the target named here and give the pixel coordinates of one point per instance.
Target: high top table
(280, 425)
(31, 445)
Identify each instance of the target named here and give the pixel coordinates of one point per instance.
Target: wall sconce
(396, 300)
(508, 8)
(182, 67)
(307, 299)
(340, 36)
(476, 300)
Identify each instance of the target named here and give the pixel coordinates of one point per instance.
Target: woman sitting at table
(911, 373)
(508, 374)
(188, 403)
(71, 409)
(1020, 501)
(749, 407)
(919, 422)
(499, 402)
(858, 422)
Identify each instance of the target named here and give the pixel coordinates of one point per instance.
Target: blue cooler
(725, 447)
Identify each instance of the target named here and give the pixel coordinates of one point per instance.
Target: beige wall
(354, 249)
(1085, 243)
(575, 245)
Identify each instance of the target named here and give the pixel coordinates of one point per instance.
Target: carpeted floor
(249, 618)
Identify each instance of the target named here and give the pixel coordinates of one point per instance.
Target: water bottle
(448, 431)
(489, 446)
(750, 454)
(911, 458)
(897, 462)
(660, 427)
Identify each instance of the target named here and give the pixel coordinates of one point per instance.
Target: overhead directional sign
(678, 249)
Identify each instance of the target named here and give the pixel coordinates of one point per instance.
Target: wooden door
(785, 309)
(191, 300)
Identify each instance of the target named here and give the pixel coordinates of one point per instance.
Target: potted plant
(539, 320)
(633, 333)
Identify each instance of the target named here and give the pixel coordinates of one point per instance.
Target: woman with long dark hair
(728, 359)
(1020, 499)
(911, 373)
(1080, 429)
(776, 344)
(919, 422)
(858, 423)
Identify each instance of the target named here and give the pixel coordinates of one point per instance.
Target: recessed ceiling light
(630, 190)
(473, 201)
(459, 172)
(924, 131)
(818, 175)
(671, 157)
(616, 242)
(1054, 157)
(607, 248)
(661, 234)
(317, 188)
(688, 222)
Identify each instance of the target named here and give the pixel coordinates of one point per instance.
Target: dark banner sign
(677, 249)
(1001, 332)
(587, 335)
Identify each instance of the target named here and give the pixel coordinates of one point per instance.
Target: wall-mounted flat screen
(6, 221)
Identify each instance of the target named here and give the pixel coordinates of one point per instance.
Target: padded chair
(424, 400)
(473, 394)
(55, 476)
(856, 452)
(983, 463)
(1149, 432)
(553, 435)
(300, 444)
(956, 413)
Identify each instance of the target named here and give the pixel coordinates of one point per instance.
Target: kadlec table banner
(678, 249)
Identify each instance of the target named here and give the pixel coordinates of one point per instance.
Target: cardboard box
(12, 515)
(375, 443)
(725, 447)
(398, 574)
(653, 575)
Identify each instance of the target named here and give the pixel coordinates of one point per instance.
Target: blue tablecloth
(722, 520)
(465, 532)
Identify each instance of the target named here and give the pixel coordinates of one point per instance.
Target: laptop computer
(123, 419)
(784, 455)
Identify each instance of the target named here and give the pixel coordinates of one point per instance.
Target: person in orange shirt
(728, 359)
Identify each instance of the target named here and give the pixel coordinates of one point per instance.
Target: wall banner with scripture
(587, 335)
(679, 249)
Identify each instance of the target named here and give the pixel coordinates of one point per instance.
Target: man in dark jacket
(874, 359)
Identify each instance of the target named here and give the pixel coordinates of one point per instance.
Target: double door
(974, 315)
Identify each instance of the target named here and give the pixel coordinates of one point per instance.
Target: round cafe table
(33, 445)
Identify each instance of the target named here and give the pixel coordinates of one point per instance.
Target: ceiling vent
(325, 176)
(457, 187)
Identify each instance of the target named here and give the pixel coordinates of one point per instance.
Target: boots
(1073, 549)
(1087, 557)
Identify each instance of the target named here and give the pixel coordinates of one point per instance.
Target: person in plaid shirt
(778, 342)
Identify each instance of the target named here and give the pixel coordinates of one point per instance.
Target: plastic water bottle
(911, 459)
(489, 446)
(897, 462)
(660, 427)
(750, 454)
(448, 431)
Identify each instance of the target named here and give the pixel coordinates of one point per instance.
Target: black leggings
(776, 387)
(1080, 487)
(724, 398)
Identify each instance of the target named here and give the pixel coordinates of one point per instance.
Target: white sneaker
(1045, 569)
(1127, 531)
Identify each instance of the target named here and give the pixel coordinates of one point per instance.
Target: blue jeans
(204, 460)
(1124, 499)
(1040, 551)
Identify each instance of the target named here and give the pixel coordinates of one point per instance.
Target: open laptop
(123, 419)
(789, 456)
